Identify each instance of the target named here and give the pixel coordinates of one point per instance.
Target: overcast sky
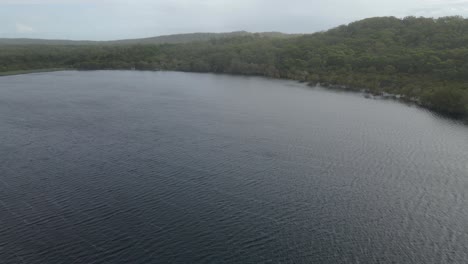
(118, 19)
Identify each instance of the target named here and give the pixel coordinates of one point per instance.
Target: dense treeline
(420, 59)
(171, 39)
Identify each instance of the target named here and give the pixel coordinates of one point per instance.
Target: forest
(422, 60)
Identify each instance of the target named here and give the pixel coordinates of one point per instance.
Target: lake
(165, 167)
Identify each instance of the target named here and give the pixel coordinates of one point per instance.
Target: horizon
(206, 32)
(106, 20)
(149, 37)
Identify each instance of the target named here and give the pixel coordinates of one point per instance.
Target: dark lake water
(148, 167)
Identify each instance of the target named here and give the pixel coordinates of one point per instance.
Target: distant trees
(422, 59)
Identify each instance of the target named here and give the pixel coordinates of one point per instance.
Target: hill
(423, 60)
(166, 39)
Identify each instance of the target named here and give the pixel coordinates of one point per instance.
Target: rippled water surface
(145, 167)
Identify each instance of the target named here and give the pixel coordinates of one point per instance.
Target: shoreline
(388, 96)
(384, 95)
(21, 72)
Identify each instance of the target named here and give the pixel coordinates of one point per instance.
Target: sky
(123, 19)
